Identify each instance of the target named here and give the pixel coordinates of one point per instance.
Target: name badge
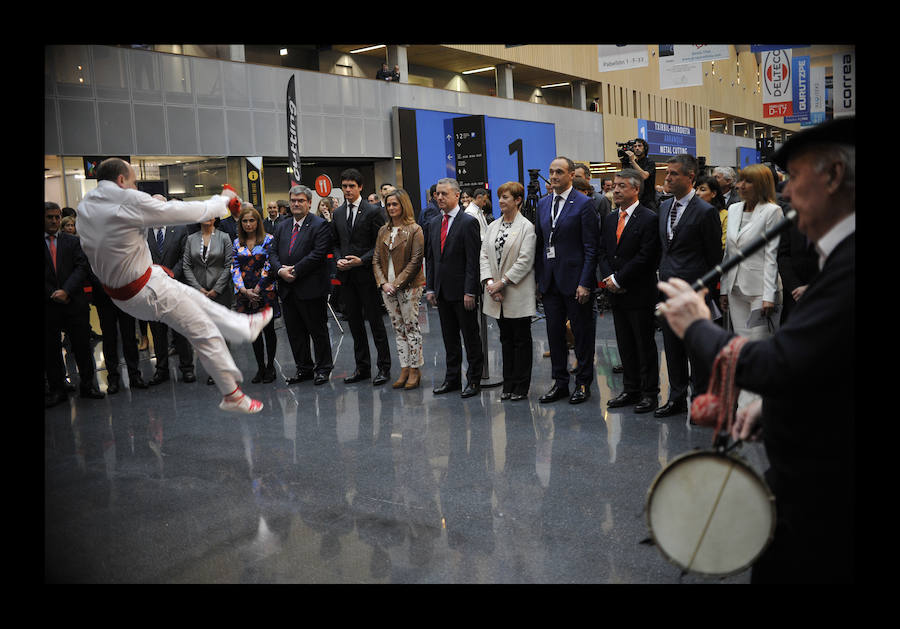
(551, 252)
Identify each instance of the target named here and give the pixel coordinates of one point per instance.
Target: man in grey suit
(167, 250)
(691, 234)
(725, 176)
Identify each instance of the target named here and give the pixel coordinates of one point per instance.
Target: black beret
(837, 131)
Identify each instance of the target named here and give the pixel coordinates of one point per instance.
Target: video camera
(625, 146)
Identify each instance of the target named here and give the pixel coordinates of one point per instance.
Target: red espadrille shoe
(239, 402)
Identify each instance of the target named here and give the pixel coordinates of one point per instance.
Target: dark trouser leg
(298, 335)
(372, 305)
(160, 332)
(450, 328)
(472, 339)
(584, 328)
(109, 326)
(315, 319)
(555, 316)
(676, 364)
(515, 341)
(354, 311)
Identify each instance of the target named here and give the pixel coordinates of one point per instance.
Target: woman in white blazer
(753, 287)
(507, 274)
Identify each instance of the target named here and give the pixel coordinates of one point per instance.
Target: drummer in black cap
(806, 417)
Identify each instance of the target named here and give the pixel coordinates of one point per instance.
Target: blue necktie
(159, 239)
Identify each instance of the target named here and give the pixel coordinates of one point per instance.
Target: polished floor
(360, 484)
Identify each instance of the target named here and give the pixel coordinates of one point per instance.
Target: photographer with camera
(633, 154)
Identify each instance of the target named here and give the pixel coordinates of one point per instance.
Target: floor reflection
(356, 484)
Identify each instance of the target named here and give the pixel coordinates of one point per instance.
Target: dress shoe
(92, 394)
(159, 377)
(258, 376)
(623, 399)
(646, 405)
(112, 386)
(446, 387)
(671, 408)
(136, 381)
(582, 394)
(54, 398)
(401, 381)
(505, 395)
(471, 390)
(269, 374)
(515, 397)
(356, 377)
(210, 381)
(556, 393)
(321, 378)
(300, 377)
(381, 377)
(618, 369)
(188, 376)
(71, 388)
(415, 377)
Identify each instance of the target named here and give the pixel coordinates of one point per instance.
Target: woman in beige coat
(507, 274)
(397, 264)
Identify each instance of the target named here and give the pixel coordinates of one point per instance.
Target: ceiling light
(367, 49)
(554, 85)
(283, 52)
(479, 70)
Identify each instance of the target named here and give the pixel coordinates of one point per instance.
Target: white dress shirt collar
(834, 237)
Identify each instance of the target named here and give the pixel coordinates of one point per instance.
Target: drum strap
(716, 406)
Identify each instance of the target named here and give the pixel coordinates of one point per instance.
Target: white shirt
(113, 223)
(830, 240)
(351, 223)
(452, 214)
(565, 195)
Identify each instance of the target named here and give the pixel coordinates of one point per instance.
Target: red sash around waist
(133, 288)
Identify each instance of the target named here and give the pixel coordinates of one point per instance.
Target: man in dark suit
(567, 233)
(808, 430)
(167, 250)
(798, 263)
(354, 229)
(66, 309)
(601, 204)
(229, 224)
(429, 211)
(114, 321)
(627, 257)
(726, 178)
(690, 231)
(452, 254)
(272, 219)
(298, 256)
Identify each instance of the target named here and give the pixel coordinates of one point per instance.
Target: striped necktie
(672, 216)
(294, 237)
(160, 237)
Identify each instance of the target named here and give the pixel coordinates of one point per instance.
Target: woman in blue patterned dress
(254, 287)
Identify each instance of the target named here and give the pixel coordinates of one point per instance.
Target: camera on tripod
(625, 146)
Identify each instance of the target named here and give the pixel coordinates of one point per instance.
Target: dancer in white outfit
(112, 223)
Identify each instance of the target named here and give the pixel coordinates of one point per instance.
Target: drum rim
(732, 457)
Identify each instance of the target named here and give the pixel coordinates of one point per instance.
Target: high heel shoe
(401, 381)
(412, 382)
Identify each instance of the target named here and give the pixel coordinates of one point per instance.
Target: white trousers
(203, 322)
(739, 308)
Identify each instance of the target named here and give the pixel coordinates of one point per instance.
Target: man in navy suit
(567, 235)
(690, 231)
(66, 308)
(354, 229)
(452, 254)
(298, 256)
(627, 258)
(167, 250)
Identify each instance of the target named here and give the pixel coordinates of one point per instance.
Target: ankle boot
(413, 380)
(401, 381)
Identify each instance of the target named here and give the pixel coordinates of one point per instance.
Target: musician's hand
(683, 306)
(723, 302)
(746, 422)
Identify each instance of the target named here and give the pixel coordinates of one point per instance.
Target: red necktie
(53, 250)
(444, 224)
(293, 237)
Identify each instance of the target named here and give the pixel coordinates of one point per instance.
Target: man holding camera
(634, 155)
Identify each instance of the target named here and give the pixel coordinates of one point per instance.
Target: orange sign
(323, 185)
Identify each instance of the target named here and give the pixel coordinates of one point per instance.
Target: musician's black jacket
(808, 418)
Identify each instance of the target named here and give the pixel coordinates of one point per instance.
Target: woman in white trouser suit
(112, 221)
(753, 287)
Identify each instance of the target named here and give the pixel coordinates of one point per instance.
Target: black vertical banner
(293, 133)
(470, 151)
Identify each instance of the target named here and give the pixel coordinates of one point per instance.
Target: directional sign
(323, 185)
